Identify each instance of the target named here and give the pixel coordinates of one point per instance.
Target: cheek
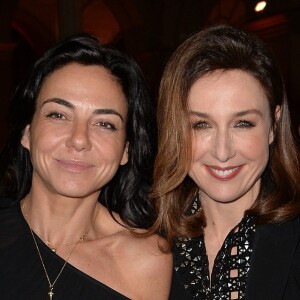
(44, 143)
(199, 147)
(112, 145)
(255, 147)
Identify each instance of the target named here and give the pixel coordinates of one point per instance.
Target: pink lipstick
(224, 174)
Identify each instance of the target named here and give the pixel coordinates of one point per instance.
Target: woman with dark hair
(226, 178)
(79, 162)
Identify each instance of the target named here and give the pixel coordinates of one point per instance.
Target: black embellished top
(231, 266)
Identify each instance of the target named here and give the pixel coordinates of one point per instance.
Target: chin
(78, 192)
(224, 198)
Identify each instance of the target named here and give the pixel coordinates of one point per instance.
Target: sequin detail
(231, 266)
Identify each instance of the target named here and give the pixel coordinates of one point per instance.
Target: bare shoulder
(151, 249)
(134, 264)
(149, 267)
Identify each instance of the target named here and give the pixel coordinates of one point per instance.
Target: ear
(124, 159)
(273, 129)
(25, 141)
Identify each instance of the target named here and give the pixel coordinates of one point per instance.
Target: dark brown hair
(219, 48)
(127, 192)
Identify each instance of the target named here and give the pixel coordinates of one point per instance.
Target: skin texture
(231, 124)
(77, 141)
(76, 148)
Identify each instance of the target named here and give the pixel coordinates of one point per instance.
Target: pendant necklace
(82, 238)
(51, 285)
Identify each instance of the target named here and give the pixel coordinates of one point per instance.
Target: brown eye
(56, 115)
(106, 125)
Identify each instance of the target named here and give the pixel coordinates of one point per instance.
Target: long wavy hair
(127, 192)
(219, 48)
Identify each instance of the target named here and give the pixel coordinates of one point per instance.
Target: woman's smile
(224, 174)
(74, 166)
(231, 133)
(79, 119)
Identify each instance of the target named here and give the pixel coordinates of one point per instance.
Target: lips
(74, 166)
(227, 173)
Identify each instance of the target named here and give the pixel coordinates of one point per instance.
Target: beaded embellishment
(232, 263)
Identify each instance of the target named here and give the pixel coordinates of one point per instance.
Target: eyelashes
(106, 125)
(101, 124)
(243, 124)
(55, 115)
(200, 125)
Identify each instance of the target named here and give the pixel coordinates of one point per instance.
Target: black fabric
(275, 267)
(178, 292)
(191, 263)
(22, 276)
(275, 264)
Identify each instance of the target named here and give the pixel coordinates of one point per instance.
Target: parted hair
(219, 48)
(127, 192)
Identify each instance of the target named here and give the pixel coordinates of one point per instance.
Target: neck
(221, 218)
(60, 220)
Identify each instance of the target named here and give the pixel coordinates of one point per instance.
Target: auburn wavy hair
(219, 48)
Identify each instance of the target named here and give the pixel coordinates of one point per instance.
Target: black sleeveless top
(21, 273)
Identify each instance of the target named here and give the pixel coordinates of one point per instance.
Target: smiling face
(77, 137)
(231, 133)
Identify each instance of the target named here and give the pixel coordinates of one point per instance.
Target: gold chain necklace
(82, 238)
(51, 285)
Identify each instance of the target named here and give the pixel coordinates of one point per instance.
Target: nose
(78, 137)
(223, 145)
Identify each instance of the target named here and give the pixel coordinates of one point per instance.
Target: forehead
(228, 91)
(90, 84)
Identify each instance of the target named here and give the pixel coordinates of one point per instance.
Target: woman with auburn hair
(226, 177)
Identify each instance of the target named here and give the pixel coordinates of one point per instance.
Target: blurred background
(148, 30)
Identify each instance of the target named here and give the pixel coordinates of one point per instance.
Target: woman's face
(77, 137)
(231, 133)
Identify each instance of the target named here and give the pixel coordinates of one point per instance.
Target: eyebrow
(98, 111)
(238, 114)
